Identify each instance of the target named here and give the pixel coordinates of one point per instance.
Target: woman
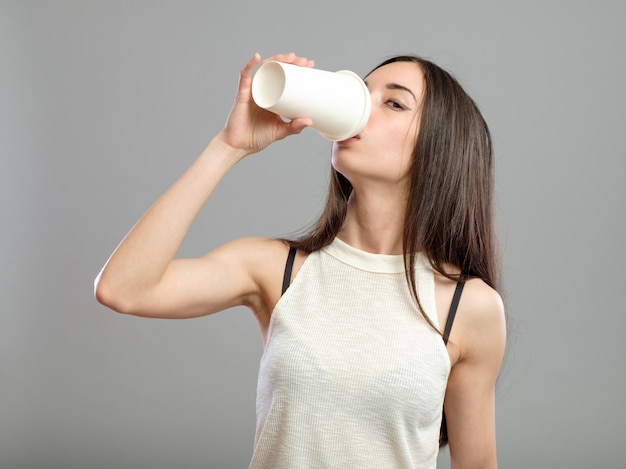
(360, 354)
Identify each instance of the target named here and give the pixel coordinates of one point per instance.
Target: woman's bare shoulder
(256, 246)
(481, 302)
(260, 256)
(263, 260)
(480, 321)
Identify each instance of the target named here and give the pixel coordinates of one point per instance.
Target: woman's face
(382, 151)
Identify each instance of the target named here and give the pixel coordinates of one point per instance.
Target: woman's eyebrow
(395, 86)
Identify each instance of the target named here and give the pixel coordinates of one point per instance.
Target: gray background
(104, 104)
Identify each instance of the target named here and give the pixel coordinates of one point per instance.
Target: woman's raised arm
(142, 277)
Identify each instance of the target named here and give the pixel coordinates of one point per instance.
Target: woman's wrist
(220, 148)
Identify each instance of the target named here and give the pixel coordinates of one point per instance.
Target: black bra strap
(453, 307)
(288, 267)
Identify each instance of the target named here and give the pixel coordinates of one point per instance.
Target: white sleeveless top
(352, 376)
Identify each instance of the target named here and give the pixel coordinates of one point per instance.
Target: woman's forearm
(144, 254)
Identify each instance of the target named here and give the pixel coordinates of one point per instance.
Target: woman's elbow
(107, 295)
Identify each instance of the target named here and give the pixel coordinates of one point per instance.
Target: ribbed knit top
(352, 376)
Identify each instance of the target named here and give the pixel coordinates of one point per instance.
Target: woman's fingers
(291, 58)
(245, 76)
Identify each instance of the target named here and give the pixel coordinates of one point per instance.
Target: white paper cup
(338, 103)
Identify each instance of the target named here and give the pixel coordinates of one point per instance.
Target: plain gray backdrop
(104, 104)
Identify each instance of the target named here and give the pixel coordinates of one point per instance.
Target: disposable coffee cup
(338, 103)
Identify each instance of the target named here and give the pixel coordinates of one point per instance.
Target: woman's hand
(250, 128)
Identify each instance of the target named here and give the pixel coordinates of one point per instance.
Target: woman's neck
(374, 224)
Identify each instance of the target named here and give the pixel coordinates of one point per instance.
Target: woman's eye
(394, 104)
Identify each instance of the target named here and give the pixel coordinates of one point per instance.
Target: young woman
(361, 367)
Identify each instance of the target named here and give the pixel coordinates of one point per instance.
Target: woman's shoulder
(258, 245)
(480, 321)
(479, 301)
(258, 254)
(482, 303)
(261, 260)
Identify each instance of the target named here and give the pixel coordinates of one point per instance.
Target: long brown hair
(449, 213)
